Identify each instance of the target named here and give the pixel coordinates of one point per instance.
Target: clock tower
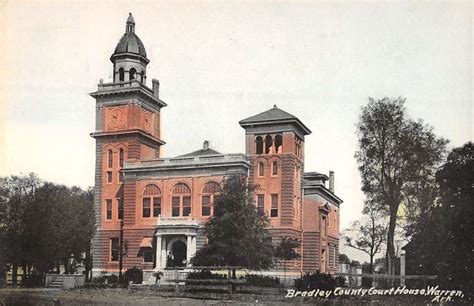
(127, 128)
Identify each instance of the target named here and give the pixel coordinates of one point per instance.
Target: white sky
(221, 62)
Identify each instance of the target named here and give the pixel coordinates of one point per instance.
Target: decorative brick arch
(151, 189)
(181, 188)
(212, 187)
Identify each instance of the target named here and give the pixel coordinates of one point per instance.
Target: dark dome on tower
(130, 43)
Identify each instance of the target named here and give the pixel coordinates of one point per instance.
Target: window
(120, 208)
(175, 207)
(261, 203)
(114, 249)
(120, 176)
(181, 198)
(268, 144)
(121, 158)
(121, 75)
(275, 168)
(258, 145)
(142, 74)
(278, 143)
(109, 177)
(109, 158)
(151, 195)
(261, 169)
(206, 205)
(323, 226)
(147, 255)
(146, 207)
(274, 209)
(133, 73)
(210, 193)
(156, 206)
(108, 204)
(186, 206)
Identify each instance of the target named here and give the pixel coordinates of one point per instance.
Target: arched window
(181, 201)
(121, 155)
(259, 145)
(133, 73)
(275, 168)
(261, 169)
(121, 75)
(142, 76)
(210, 192)
(278, 143)
(151, 201)
(109, 158)
(268, 144)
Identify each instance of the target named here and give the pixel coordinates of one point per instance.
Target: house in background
(161, 204)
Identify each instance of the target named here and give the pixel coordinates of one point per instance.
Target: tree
(287, 250)
(397, 160)
(442, 242)
(368, 236)
(237, 234)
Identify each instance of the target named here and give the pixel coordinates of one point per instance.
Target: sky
(220, 62)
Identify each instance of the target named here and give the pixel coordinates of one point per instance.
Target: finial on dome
(130, 26)
(275, 106)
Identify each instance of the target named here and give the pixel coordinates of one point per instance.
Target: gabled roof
(273, 115)
(202, 152)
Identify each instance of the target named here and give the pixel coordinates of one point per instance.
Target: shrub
(205, 274)
(262, 280)
(340, 281)
(134, 275)
(32, 280)
(316, 281)
(112, 279)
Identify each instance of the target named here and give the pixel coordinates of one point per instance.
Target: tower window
(268, 144)
(261, 203)
(121, 158)
(120, 176)
(109, 177)
(133, 74)
(275, 168)
(121, 75)
(259, 145)
(274, 210)
(109, 158)
(142, 75)
(278, 143)
(108, 208)
(261, 169)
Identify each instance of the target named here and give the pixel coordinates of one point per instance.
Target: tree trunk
(14, 274)
(390, 257)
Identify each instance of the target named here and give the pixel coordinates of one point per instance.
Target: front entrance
(177, 255)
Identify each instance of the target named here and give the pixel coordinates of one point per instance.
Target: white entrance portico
(171, 234)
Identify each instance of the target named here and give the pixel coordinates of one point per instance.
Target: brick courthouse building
(161, 204)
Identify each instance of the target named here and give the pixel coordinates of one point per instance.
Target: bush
(32, 280)
(316, 281)
(262, 281)
(134, 275)
(340, 281)
(205, 274)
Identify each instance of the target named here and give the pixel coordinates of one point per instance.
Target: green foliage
(237, 234)
(287, 249)
(262, 281)
(205, 274)
(43, 224)
(343, 258)
(316, 281)
(397, 160)
(442, 242)
(134, 275)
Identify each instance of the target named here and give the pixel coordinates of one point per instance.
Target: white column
(402, 267)
(158, 252)
(193, 246)
(188, 249)
(163, 253)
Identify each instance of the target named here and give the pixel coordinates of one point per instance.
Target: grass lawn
(119, 296)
